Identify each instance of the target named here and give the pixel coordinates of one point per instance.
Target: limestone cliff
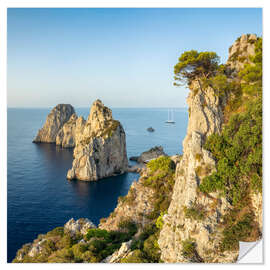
(70, 132)
(167, 216)
(192, 230)
(240, 51)
(137, 205)
(205, 118)
(100, 150)
(58, 116)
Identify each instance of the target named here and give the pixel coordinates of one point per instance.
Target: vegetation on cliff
(60, 246)
(160, 178)
(238, 153)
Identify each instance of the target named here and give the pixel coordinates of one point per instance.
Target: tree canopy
(193, 65)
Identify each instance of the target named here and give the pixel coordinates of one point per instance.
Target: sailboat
(170, 114)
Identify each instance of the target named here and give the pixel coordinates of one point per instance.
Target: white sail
(170, 117)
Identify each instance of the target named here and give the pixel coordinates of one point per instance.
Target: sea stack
(100, 150)
(58, 116)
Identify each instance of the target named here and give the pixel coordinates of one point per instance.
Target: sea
(40, 197)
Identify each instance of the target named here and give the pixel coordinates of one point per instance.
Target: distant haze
(125, 57)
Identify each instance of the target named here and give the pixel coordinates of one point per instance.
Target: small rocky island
(100, 142)
(150, 129)
(193, 208)
(146, 156)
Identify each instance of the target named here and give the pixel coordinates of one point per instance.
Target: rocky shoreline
(183, 209)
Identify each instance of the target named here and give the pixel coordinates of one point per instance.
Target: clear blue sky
(125, 57)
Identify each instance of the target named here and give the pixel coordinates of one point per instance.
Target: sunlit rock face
(100, 149)
(241, 51)
(58, 116)
(70, 132)
(205, 118)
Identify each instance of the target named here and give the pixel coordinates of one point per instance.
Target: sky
(125, 57)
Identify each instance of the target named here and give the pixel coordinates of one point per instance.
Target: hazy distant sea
(39, 196)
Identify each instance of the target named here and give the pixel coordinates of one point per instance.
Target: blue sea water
(39, 196)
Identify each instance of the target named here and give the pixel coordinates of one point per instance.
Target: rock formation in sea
(150, 129)
(150, 154)
(100, 150)
(58, 116)
(184, 208)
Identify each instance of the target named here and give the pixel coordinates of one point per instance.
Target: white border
(122, 3)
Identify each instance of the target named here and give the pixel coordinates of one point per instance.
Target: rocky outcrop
(123, 252)
(39, 248)
(240, 51)
(70, 132)
(146, 156)
(58, 116)
(101, 148)
(136, 206)
(202, 226)
(257, 205)
(136, 168)
(205, 118)
(150, 129)
(81, 226)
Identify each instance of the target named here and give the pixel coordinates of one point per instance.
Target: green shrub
(135, 257)
(62, 256)
(251, 74)
(188, 248)
(98, 233)
(160, 221)
(195, 211)
(65, 242)
(78, 250)
(108, 132)
(198, 157)
(151, 249)
(238, 151)
(129, 226)
(233, 233)
(58, 231)
(162, 163)
(161, 180)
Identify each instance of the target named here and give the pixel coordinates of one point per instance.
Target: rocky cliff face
(101, 148)
(136, 206)
(205, 118)
(58, 116)
(194, 219)
(70, 132)
(241, 50)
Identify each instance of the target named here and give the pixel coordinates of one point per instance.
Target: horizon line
(107, 106)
